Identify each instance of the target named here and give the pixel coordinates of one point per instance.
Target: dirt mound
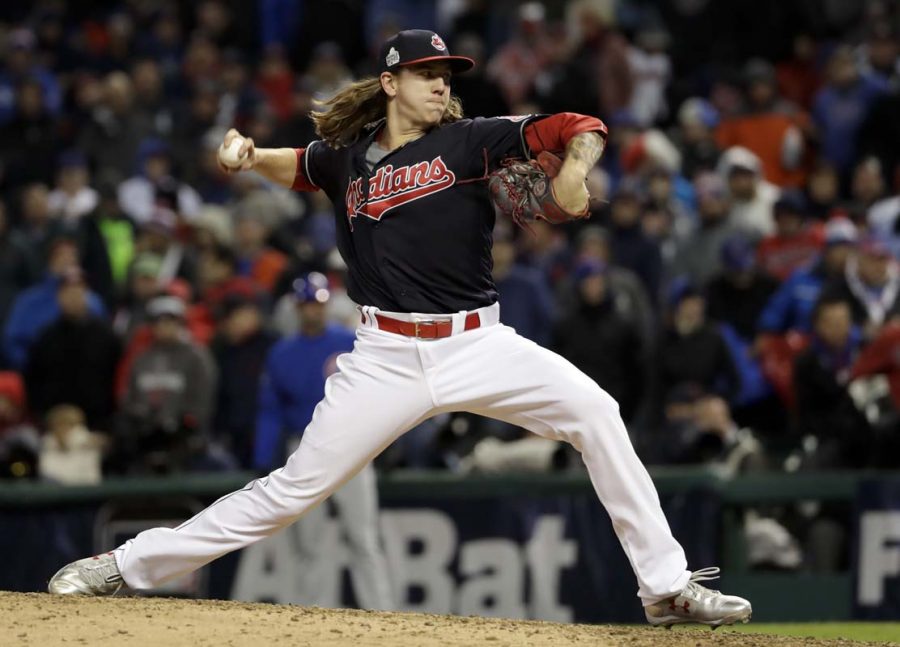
(34, 619)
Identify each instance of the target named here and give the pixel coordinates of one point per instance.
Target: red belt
(425, 328)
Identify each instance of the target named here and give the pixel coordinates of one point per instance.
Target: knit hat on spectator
(147, 265)
(840, 231)
(12, 388)
(312, 288)
(697, 110)
(162, 220)
(71, 159)
(710, 186)
(72, 276)
(680, 289)
(737, 254)
(790, 202)
(874, 246)
(588, 268)
(166, 306)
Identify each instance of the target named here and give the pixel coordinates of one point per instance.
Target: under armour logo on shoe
(686, 606)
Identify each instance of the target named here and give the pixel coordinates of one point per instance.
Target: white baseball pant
(357, 515)
(390, 383)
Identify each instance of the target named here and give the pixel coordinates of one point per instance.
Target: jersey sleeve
(496, 138)
(316, 167)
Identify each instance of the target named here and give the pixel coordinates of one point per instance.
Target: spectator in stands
(699, 255)
(111, 138)
(692, 352)
(73, 197)
(38, 306)
(71, 454)
(883, 218)
(29, 142)
(701, 430)
(117, 231)
(867, 185)
(737, 295)
(697, 119)
(18, 268)
(293, 383)
(256, 260)
(631, 247)
(596, 77)
(528, 304)
(599, 341)
(155, 187)
(790, 308)
(143, 286)
(631, 299)
(480, 95)
(871, 285)
(651, 69)
(157, 235)
(823, 189)
(769, 127)
(218, 277)
(37, 226)
(73, 360)
(751, 195)
(882, 53)
(840, 108)
(521, 60)
(154, 112)
(799, 77)
(795, 242)
(168, 403)
(19, 440)
(297, 127)
(239, 348)
(825, 410)
(22, 65)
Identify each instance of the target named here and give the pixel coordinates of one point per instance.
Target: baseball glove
(521, 189)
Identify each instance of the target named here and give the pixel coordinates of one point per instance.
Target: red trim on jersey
(554, 132)
(301, 182)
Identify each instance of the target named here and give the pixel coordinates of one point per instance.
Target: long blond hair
(344, 115)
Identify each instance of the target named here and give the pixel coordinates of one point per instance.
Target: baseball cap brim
(457, 63)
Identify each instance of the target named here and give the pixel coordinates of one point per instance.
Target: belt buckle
(425, 322)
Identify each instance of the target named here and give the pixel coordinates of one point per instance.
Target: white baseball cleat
(698, 604)
(97, 575)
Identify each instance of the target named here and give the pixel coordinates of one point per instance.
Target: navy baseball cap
(418, 46)
(311, 288)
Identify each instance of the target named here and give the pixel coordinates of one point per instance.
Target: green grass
(874, 631)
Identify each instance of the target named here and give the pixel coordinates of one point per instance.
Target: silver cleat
(97, 575)
(699, 604)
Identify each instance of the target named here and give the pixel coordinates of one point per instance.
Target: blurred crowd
(736, 288)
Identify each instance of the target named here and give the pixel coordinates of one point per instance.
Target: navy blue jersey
(415, 231)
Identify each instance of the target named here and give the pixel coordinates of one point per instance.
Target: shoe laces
(703, 575)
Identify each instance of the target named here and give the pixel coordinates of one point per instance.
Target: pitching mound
(34, 619)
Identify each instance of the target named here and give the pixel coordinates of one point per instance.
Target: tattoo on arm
(586, 148)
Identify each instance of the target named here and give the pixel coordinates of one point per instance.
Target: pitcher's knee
(592, 403)
(591, 412)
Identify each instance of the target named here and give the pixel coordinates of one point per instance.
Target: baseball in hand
(229, 156)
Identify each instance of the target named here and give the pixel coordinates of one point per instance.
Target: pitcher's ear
(388, 83)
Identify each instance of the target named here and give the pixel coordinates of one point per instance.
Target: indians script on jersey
(392, 187)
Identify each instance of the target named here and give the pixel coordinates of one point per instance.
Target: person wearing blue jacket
(37, 307)
(293, 383)
(791, 307)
